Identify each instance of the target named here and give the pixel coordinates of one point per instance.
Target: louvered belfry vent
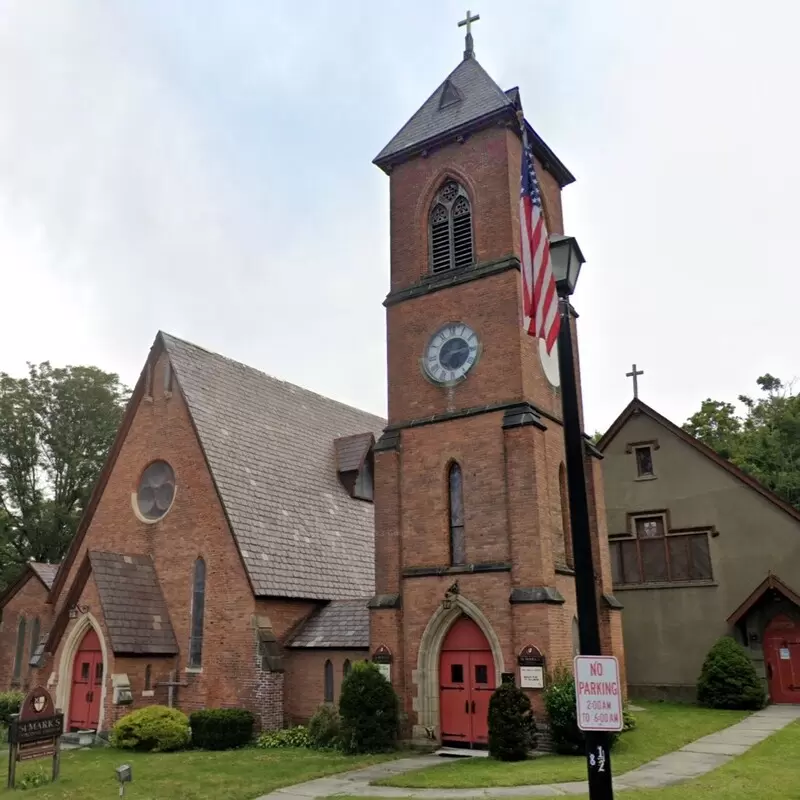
(450, 229)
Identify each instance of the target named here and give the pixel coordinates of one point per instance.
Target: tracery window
(450, 229)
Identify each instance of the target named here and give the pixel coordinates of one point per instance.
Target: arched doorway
(86, 692)
(467, 680)
(782, 657)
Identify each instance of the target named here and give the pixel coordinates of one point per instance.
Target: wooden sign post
(35, 732)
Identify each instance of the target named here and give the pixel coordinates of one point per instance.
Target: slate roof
(45, 572)
(270, 448)
(352, 450)
(134, 609)
(480, 97)
(340, 624)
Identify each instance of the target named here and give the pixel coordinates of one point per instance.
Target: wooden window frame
(449, 206)
(197, 620)
(456, 524)
(328, 690)
(668, 535)
(649, 450)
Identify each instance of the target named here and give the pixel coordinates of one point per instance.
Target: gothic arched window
(450, 229)
(34, 637)
(346, 667)
(328, 681)
(566, 528)
(19, 655)
(458, 548)
(198, 609)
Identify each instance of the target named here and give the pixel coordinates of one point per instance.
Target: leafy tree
(512, 728)
(56, 427)
(369, 711)
(764, 442)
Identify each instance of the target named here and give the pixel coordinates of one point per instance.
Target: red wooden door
(87, 684)
(782, 654)
(481, 670)
(466, 680)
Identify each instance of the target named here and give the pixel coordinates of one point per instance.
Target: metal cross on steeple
(635, 375)
(469, 51)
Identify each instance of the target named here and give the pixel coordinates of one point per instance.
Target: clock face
(451, 353)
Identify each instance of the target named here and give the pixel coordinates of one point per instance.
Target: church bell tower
(474, 575)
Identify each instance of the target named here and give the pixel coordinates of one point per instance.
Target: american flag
(539, 299)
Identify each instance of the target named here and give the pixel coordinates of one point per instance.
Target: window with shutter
(450, 229)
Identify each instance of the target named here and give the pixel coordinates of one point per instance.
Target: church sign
(35, 732)
(383, 658)
(531, 668)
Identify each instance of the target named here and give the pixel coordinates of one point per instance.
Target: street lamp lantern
(567, 259)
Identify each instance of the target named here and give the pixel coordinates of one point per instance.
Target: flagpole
(598, 757)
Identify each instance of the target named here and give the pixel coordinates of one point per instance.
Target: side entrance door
(87, 684)
(782, 656)
(466, 680)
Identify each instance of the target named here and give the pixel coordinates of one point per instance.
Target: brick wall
(30, 602)
(304, 681)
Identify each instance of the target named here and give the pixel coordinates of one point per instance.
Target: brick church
(248, 540)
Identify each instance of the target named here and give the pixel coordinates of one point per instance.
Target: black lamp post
(567, 260)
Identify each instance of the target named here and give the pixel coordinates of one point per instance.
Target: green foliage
(559, 701)
(9, 704)
(56, 427)
(221, 728)
(728, 678)
(368, 708)
(324, 729)
(764, 443)
(153, 728)
(33, 780)
(512, 728)
(287, 737)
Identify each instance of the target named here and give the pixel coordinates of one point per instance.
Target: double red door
(782, 654)
(467, 680)
(87, 684)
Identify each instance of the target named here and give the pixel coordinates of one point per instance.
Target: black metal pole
(598, 755)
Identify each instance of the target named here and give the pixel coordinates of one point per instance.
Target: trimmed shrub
(512, 728)
(368, 708)
(324, 728)
(221, 728)
(153, 728)
(10, 703)
(559, 701)
(728, 678)
(287, 737)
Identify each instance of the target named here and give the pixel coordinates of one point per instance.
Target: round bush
(154, 728)
(286, 737)
(221, 728)
(728, 678)
(512, 728)
(324, 728)
(368, 709)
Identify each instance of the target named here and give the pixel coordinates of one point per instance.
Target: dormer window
(354, 464)
(450, 229)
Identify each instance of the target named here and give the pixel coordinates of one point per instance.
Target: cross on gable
(635, 375)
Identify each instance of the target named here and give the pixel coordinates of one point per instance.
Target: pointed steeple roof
(466, 97)
(467, 100)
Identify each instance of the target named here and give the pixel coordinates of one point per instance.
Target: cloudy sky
(205, 168)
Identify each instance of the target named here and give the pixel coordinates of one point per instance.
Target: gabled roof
(270, 449)
(134, 609)
(38, 569)
(636, 406)
(466, 100)
(340, 624)
(771, 582)
(45, 572)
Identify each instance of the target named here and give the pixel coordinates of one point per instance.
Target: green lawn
(662, 728)
(192, 775)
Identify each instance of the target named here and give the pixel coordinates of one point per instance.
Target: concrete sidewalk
(689, 762)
